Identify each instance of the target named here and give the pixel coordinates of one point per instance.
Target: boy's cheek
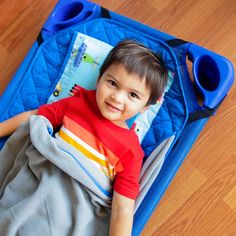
(144, 109)
(97, 81)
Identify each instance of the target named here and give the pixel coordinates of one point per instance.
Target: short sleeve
(127, 181)
(54, 112)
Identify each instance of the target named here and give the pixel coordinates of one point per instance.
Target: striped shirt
(112, 149)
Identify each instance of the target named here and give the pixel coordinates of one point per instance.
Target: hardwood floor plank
(10, 10)
(198, 211)
(230, 199)
(219, 139)
(217, 221)
(182, 188)
(22, 24)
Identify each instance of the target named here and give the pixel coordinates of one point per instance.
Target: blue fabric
(40, 77)
(44, 72)
(173, 114)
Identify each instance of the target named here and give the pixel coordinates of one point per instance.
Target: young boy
(131, 78)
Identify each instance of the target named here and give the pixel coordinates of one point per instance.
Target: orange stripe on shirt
(93, 142)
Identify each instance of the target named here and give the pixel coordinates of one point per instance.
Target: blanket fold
(48, 188)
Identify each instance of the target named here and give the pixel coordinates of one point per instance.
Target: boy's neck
(121, 124)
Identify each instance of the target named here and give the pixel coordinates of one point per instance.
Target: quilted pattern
(41, 76)
(43, 73)
(173, 114)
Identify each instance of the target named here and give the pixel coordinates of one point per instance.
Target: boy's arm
(121, 215)
(7, 127)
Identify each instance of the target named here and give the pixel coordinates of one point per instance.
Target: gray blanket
(48, 188)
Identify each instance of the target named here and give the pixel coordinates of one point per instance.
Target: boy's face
(121, 95)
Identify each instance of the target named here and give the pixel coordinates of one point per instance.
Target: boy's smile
(121, 95)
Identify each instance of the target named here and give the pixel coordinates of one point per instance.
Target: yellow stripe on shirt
(89, 152)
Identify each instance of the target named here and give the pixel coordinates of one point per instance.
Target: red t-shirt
(79, 118)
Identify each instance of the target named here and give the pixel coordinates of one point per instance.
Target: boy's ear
(144, 109)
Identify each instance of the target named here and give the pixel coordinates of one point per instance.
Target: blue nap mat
(48, 64)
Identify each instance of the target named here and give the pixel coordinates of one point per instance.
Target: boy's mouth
(112, 107)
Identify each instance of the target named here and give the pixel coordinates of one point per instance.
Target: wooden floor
(201, 199)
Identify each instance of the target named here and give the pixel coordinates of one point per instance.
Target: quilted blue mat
(46, 67)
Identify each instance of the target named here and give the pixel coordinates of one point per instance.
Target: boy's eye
(112, 83)
(134, 95)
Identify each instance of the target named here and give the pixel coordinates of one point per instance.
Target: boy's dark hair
(139, 60)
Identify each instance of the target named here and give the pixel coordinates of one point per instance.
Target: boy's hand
(121, 215)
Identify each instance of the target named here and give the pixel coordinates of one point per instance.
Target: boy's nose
(118, 97)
